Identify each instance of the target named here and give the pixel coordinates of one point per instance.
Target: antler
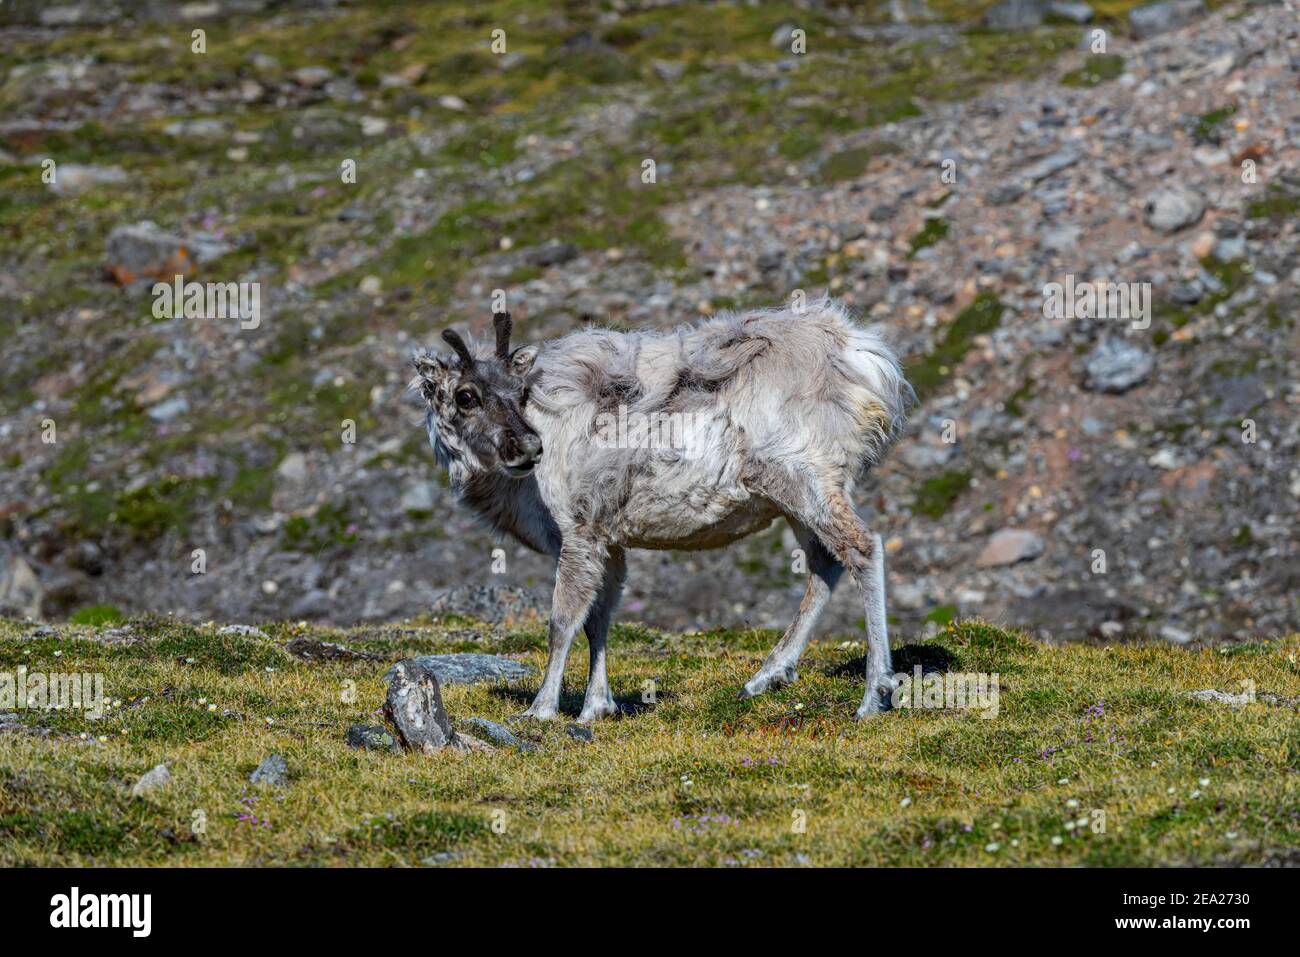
(503, 324)
(453, 339)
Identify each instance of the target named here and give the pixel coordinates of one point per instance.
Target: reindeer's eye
(466, 400)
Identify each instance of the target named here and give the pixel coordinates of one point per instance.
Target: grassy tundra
(697, 778)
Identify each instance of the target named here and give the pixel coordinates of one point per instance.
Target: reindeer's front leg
(577, 578)
(599, 702)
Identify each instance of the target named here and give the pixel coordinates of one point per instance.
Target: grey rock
(153, 780)
(1050, 165)
(1015, 15)
(414, 707)
(73, 178)
(21, 593)
(580, 732)
(242, 631)
(499, 734)
(1169, 210)
(1116, 366)
(274, 770)
(494, 603)
(143, 251)
(467, 668)
(782, 35)
(923, 456)
(668, 69)
(312, 76)
(1156, 18)
(310, 649)
(1008, 546)
(169, 409)
(1004, 193)
(1069, 11)
(417, 496)
(371, 737)
(553, 253)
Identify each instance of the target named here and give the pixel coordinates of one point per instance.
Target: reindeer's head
(476, 406)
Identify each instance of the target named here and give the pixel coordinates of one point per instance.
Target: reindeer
(783, 411)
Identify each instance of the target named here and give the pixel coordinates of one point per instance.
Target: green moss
(982, 316)
(1278, 204)
(98, 615)
(851, 163)
(935, 228)
(936, 494)
(1097, 69)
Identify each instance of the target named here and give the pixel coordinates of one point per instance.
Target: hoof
(761, 682)
(874, 704)
(590, 713)
(535, 714)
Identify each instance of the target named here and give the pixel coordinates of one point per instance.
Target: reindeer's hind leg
(821, 503)
(863, 553)
(577, 578)
(599, 702)
(823, 572)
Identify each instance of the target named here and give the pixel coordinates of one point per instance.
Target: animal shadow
(933, 659)
(629, 705)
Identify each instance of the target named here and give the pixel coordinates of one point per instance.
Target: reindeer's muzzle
(522, 455)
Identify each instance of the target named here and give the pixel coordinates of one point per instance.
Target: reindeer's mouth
(519, 471)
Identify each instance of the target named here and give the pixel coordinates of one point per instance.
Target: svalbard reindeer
(722, 426)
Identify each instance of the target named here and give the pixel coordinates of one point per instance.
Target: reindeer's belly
(701, 519)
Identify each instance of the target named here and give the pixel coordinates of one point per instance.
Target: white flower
(1204, 782)
(992, 847)
(905, 802)
(1072, 803)
(1063, 781)
(1069, 825)
(1057, 840)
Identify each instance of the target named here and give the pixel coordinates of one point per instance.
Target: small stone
(293, 468)
(21, 593)
(370, 737)
(1165, 459)
(499, 734)
(1008, 546)
(312, 76)
(782, 36)
(310, 649)
(580, 733)
(452, 102)
(143, 251)
(1116, 366)
(553, 253)
(371, 286)
(414, 707)
(1015, 15)
(1069, 11)
(153, 780)
(273, 770)
(1169, 210)
(1155, 18)
(73, 178)
(1177, 635)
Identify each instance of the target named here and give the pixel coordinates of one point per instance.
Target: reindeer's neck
(512, 506)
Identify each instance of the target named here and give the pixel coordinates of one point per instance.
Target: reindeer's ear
(522, 359)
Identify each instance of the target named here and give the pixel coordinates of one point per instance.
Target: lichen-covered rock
(414, 707)
(467, 668)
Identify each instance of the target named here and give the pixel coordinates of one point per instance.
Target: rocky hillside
(937, 166)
